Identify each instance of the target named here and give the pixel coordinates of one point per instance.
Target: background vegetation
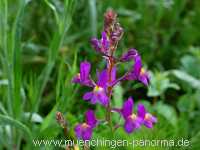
(42, 43)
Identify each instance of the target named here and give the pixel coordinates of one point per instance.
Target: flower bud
(60, 119)
(109, 19)
(116, 34)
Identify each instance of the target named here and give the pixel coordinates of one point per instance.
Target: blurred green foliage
(42, 43)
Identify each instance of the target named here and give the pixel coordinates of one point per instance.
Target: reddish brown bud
(109, 19)
(110, 16)
(60, 119)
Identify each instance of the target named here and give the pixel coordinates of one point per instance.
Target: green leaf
(2, 109)
(190, 80)
(93, 16)
(6, 120)
(186, 103)
(118, 95)
(191, 60)
(35, 117)
(168, 112)
(195, 141)
(160, 83)
(49, 119)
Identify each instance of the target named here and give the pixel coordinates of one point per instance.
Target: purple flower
(132, 121)
(84, 76)
(96, 44)
(99, 90)
(148, 119)
(84, 130)
(138, 72)
(130, 55)
(101, 45)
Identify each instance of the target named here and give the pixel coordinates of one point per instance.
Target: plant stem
(85, 147)
(6, 63)
(108, 108)
(7, 60)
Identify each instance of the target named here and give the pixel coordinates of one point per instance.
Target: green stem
(6, 60)
(6, 63)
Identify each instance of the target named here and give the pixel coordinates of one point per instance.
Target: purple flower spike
(84, 130)
(103, 87)
(83, 77)
(132, 121)
(99, 91)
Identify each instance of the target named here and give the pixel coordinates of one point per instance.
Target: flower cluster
(101, 90)
(134, 121)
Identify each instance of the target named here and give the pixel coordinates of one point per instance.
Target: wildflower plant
(101, 90)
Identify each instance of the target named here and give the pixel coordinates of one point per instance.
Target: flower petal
(141, 111)
(149, 120)
(130, 55)
(96, 44)
(144, 78)
(87, 133)
(94, 99)
(88, 95)
(137, 66)
(130, 76)
(76, 79)
(84, 70)
(148, 124)
(78, 130)
(103, 98)
(139, 121)
(105, 42)
(153, 119)
(102, 79)
(129, 126)
(117, 33)
(127, 108)
(90, 118)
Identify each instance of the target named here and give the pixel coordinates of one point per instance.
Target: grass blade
(6, 120)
